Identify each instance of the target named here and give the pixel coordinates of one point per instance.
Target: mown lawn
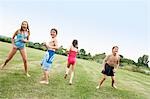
(15, 85)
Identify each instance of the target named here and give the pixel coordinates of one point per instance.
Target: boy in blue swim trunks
(49, 56)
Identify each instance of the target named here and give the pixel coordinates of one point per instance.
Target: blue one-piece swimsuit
(18, 41)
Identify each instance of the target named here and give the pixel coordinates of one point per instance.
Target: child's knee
(7, 59)
(104, 78)
(113, 80)
(68, 66)
(25, 61)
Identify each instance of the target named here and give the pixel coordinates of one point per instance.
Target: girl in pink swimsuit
(72, 60)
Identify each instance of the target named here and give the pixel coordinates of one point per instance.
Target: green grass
(134, 68)
(14, 84)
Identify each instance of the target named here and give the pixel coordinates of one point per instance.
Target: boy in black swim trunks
(110, 65)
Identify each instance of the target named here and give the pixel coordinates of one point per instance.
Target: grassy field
(15, 85)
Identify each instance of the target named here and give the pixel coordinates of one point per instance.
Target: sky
(96, 24)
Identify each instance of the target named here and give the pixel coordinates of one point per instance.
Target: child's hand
(103, 69)
(114, 70)
(24, 40)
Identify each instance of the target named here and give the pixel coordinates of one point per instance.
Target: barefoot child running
(110, 65)
(20, 37)
(72, 60)
(46, 64)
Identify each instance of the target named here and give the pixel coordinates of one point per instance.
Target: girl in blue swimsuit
(20, 37)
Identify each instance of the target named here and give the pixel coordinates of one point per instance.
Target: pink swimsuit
(72, 57)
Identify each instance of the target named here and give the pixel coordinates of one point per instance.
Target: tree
(128, 61)
(37, 45)
(87, 56)
(121, 60)
(30, 44)
(82, 52)
(143, 61)
(99, 57)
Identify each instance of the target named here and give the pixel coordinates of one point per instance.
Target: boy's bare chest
(52, 43)
(113, 58)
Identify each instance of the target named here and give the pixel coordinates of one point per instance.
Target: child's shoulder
(109, 55)
(73, 48)
(17, 31)
(118, 56)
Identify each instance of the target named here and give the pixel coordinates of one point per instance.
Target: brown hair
(54, 30)
(114, 47)
(75, 43)
(27, 27)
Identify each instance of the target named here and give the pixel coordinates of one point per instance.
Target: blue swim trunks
(47, 60)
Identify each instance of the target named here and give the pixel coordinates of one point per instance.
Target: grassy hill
(15, 85)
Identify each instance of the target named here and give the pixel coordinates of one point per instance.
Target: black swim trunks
(108, 70)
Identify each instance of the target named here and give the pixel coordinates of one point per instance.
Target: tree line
(142, 61)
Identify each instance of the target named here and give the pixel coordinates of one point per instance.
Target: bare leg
(46, 75)
(101, 81)
(24, 58)
(72, 74)
(113, 82)
(67, 70)
(45, 78)
(9, 57)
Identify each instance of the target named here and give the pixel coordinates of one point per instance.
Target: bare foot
(28, 75)
(43, 78)
(98, 87)
(65, 76)
(70, 82)
(114, 87)
(44, 82)
(2, 66)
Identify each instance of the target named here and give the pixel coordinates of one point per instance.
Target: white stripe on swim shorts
(52, 58)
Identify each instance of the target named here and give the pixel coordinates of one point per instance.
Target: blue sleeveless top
(18, 41)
